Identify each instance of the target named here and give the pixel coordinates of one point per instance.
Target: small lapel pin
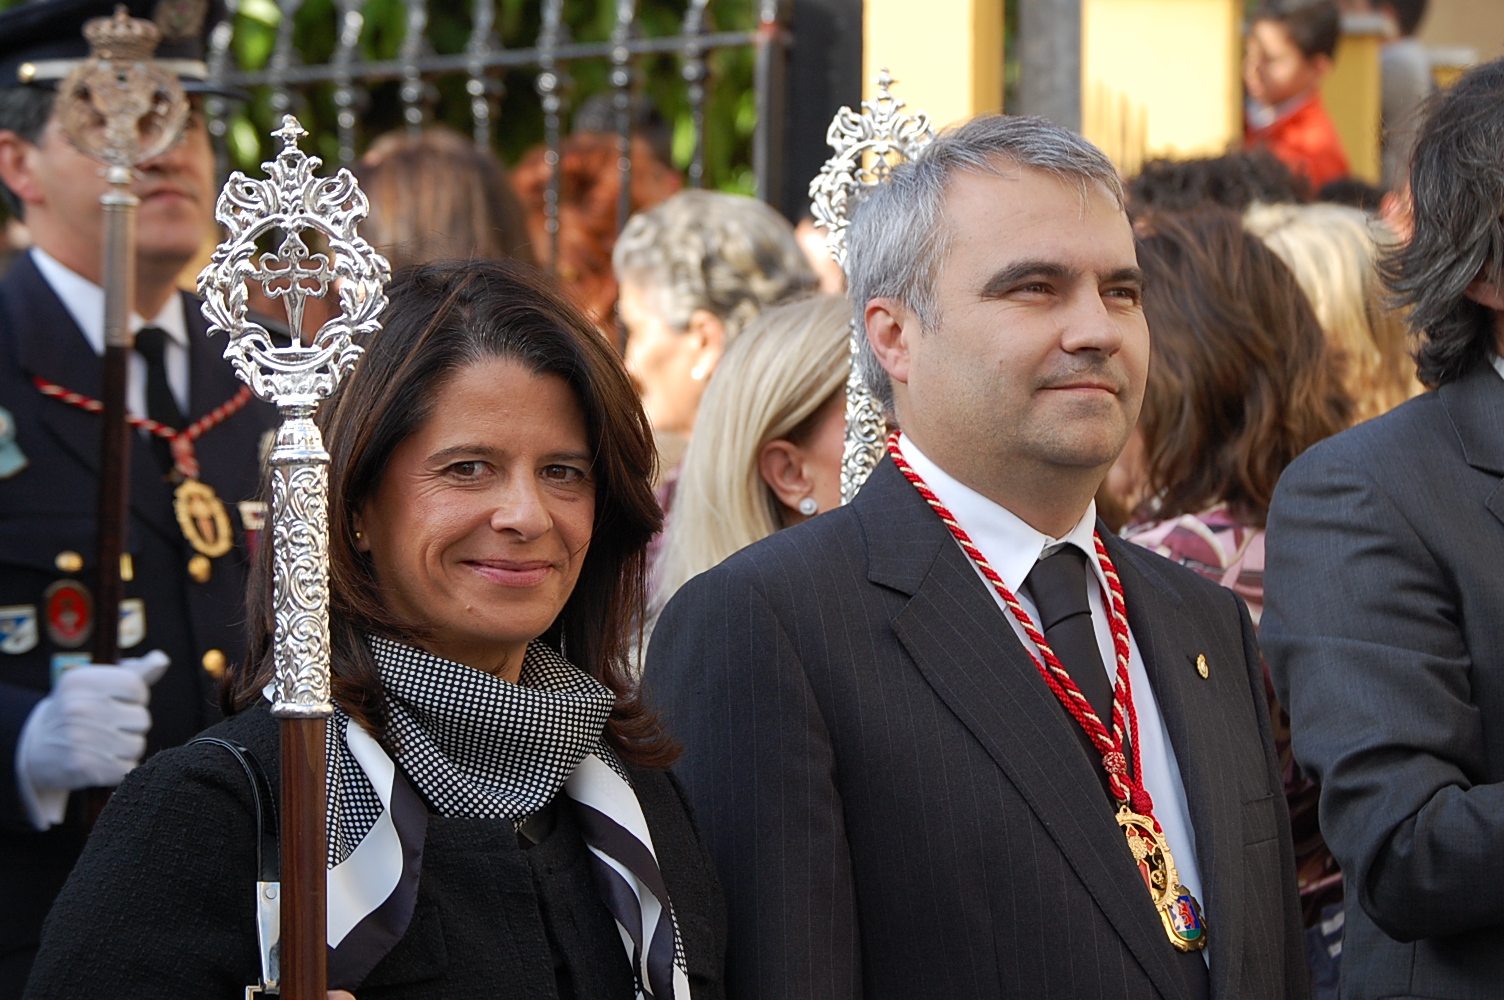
(1201, 667)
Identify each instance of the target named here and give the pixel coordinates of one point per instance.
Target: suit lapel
(49, 344)
(1475, 405)
(1168, 639)
(968, 653)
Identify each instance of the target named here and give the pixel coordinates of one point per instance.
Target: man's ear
(18, 170)
(890, 327)
(1487, 293)
(1322, 64)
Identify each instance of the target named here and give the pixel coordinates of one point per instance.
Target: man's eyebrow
(1125, 275)
(1014, 274)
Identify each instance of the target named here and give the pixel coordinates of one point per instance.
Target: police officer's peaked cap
(41, 41)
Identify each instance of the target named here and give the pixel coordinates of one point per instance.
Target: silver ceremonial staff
(120, 108)
(867, 147)
(297, 377)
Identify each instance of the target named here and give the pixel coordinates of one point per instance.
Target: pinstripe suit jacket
(898, 806)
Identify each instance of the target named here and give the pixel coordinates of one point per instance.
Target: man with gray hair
(954, 739)
(1383, 596)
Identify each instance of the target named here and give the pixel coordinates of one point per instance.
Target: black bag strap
(268, 852)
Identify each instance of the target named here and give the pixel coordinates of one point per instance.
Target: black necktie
(1057, 583)
(161, 405)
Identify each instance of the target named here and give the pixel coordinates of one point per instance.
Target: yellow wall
(946, 55)
(1476, 24)
(1353, 94)
(1161, 77)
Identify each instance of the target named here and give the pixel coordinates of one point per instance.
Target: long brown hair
(437, 195)
(1241, 379)
(443, 317)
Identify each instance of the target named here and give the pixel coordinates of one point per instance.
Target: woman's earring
(699, 371)
(357, 536)
(809, 507)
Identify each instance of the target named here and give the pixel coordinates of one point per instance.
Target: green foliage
(730, 107)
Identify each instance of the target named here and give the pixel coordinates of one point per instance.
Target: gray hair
(1457, 187)
(724, 253)
(896, 240)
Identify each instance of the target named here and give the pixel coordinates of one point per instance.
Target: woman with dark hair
(1241, 381)
(500, 820)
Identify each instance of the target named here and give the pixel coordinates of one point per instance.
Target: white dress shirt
(1012, 547)
(84, 301)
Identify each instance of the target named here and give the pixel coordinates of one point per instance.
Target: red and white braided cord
(181, 440)
(1127, 787)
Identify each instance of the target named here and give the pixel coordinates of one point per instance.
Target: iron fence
(483, 59)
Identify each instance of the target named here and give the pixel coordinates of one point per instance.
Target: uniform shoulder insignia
(12, 459)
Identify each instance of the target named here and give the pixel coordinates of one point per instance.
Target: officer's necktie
(161, 405)
(1057, 584)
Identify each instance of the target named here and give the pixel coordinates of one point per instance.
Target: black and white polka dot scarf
(474, 745)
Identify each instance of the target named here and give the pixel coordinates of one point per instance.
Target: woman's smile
(511, 572)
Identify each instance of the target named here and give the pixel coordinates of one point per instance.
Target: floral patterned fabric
(1215, 545)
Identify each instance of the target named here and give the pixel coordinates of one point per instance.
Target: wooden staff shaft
(304, 955)
(114, 433)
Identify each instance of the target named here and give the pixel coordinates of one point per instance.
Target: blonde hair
(1333, 250)
(773, 378)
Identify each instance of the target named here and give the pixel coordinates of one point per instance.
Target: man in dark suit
(1384, 594)
(65, 724)
(899, 802)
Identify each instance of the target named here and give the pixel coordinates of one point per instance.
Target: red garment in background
(1305, 140)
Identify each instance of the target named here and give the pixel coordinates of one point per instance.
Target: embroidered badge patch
(132, 622)
(18, 628)
(69, 608)
(12, 459)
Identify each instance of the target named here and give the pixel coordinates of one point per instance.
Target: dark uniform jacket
(900, 809)
(162, 902)
(1384, 627)
(48, 508)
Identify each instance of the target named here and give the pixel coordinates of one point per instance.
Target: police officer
(67, 725)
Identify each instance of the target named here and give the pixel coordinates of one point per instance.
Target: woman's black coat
(162, 902)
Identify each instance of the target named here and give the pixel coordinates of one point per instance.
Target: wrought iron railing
(484, 58)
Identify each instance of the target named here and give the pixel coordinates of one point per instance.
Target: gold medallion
(200, 568)
(1178, 910)
(203, 518)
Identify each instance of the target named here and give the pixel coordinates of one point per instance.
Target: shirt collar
(1010, 544)
(1498, 363)
(84, 301)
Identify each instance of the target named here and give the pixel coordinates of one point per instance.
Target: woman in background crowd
(767, 453)
(1333, 251)
(436, 195)
(1241, 382)
(693, 273)
(492, 770)
(589, 196)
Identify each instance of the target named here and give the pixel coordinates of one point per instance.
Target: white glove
(89, 732)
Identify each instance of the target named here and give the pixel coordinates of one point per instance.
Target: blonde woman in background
(1333, 250)
(766, 453)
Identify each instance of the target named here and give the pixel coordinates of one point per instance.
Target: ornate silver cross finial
(119, 106)
(296, 377)
(867, 147)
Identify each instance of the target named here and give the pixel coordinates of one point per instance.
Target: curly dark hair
(1241, 380)
(1234, 181)
(444, 316)
(1457, 188)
